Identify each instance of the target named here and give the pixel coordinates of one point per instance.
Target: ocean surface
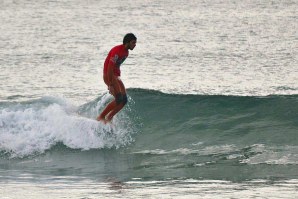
(213, 99)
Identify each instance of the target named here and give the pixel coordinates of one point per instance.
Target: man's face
(132, 44)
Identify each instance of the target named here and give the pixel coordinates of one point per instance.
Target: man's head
(130, 41)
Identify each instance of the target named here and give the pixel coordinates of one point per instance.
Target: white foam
(28, 130)
(273, 155)
(209, 150)
(260, 154)
(68, 187)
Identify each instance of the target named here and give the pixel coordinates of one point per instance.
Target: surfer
(111, 77)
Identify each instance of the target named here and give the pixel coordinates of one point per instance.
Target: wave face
(219, 119)
(245, 129)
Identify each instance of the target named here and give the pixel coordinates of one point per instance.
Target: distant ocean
(213, 100)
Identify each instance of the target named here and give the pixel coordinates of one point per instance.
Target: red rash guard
(116, 56)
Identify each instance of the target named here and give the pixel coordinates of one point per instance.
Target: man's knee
(121, 99)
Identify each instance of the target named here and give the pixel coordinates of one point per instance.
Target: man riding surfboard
(111, 77)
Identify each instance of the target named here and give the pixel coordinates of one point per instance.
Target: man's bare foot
(109, 119)
(101, 119)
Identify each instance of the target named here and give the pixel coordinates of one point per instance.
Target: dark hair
(128, 38)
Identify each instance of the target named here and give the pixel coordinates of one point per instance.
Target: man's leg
(115, 110)
(115, 106)
(109, 108)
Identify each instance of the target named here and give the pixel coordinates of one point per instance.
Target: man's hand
(112, 90)
(114, 87)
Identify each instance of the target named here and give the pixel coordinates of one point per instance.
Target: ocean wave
(164, 123)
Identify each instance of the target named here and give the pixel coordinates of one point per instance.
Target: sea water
(213, 99)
